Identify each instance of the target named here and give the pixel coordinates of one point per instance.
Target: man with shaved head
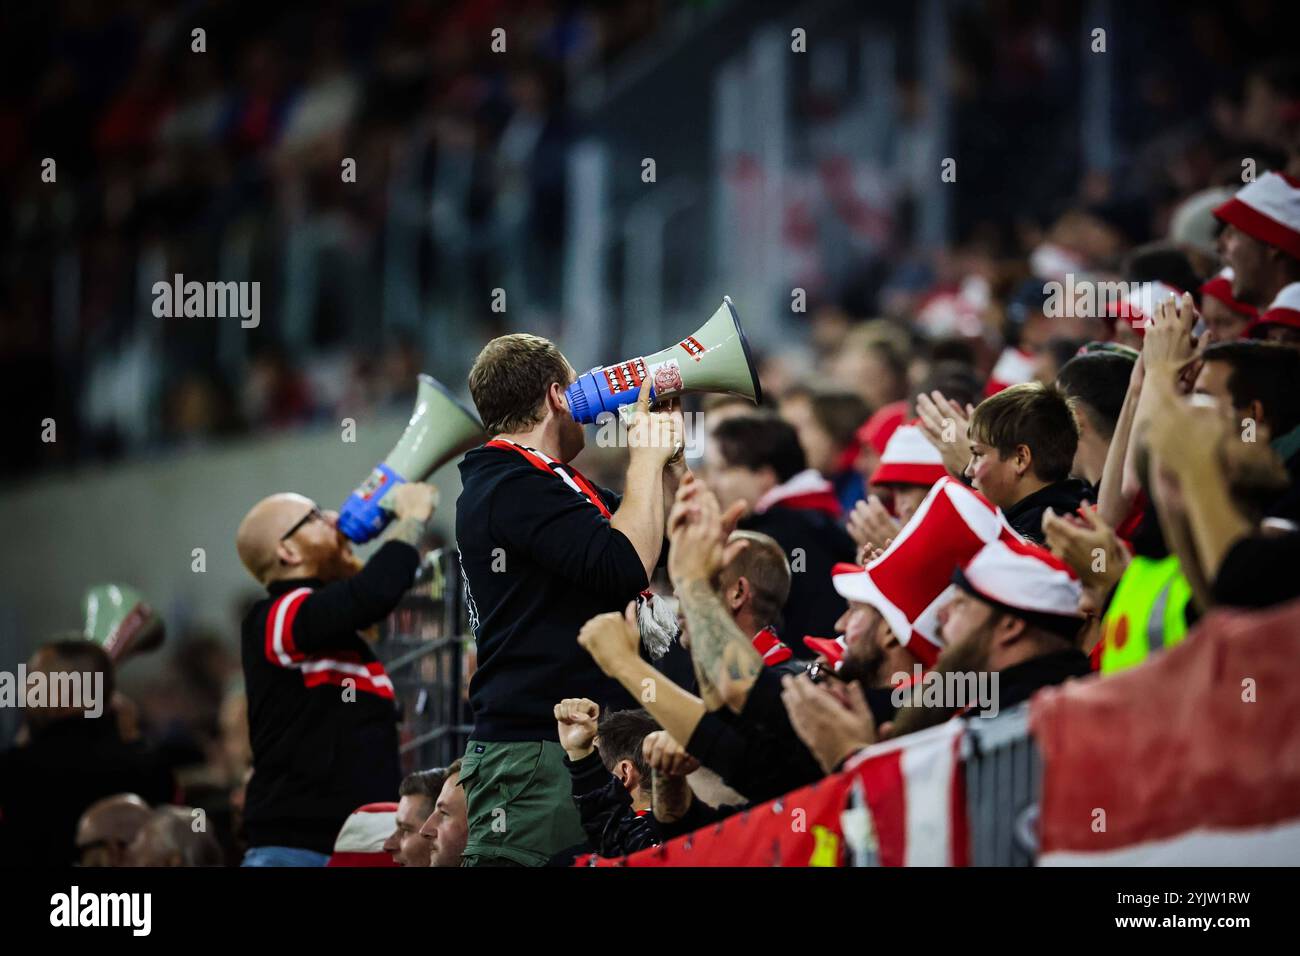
(321, 710)
(107, 828)
(174, 836)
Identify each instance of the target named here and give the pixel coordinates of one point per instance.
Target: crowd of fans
(984, 478)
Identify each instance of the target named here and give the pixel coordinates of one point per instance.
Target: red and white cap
(912, 579)
(361, 840)
(831, 648)
(909, 459)
(1268, 210)
(1283, 310)
(1220, 287)
(1025, 580)
(1139, 306)
(880, 427)
(1013, 367)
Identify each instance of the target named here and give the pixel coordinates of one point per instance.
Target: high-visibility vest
(1147, 613)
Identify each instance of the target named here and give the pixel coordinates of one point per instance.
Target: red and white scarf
(807, 490)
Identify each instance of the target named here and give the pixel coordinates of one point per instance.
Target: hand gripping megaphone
(715, 358)
(118, 619)
(440, 429)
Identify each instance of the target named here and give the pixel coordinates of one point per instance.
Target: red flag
(1191, 759)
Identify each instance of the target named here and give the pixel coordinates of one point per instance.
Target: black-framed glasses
(314, 513)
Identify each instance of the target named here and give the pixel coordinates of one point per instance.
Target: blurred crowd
(217, 158)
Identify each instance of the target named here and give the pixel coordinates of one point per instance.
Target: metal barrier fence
(426, 649)
(1003, 775)
(1002, 772)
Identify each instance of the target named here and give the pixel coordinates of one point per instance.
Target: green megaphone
(119, 620)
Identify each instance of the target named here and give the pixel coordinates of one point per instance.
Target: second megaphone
(714, 359)
(440, 429)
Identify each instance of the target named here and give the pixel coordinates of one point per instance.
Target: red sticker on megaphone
(692, 346)
(625, 376)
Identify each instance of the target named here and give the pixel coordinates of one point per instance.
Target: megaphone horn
(118, 619)
(715, 358)
(440, 429)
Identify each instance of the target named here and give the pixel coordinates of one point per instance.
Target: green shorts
(520, 801)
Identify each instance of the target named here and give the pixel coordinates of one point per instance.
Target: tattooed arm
(726, 663)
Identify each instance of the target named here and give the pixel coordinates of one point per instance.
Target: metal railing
(426, 647)
(1003, 777)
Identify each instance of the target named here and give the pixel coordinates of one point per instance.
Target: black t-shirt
(539, 561)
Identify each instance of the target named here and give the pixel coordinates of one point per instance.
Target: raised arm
(1167, 348)
(726, 664)
(653, 439)
(1214, 521)
(1114, 498)
(613, 641)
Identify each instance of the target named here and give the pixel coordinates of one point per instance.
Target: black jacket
(1021, 681)
(321, 748)
(47, 784)
(756, 752)
(814, 543)
(539, 561)
(604, 805)
(1063, 497)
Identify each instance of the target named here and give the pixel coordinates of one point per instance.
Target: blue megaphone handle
(361, 517)
(604, 390)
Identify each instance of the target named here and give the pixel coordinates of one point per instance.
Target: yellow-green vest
(1147, 613)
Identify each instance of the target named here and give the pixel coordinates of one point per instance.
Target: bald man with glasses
(321, 710)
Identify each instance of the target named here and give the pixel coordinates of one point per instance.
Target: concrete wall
(139, 523)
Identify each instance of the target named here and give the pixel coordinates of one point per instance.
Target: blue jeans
(282, 856)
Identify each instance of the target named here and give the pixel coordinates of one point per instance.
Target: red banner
(800, 829)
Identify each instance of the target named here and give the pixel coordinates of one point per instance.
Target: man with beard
(1013, 616)
(874, 657)
(322, 716)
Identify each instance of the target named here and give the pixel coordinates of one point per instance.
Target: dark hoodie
(1063, 497)
(539, 561)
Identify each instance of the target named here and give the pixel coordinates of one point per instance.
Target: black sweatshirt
(321, 748)
(757, 752)
(539, 561)
(1063, 497)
